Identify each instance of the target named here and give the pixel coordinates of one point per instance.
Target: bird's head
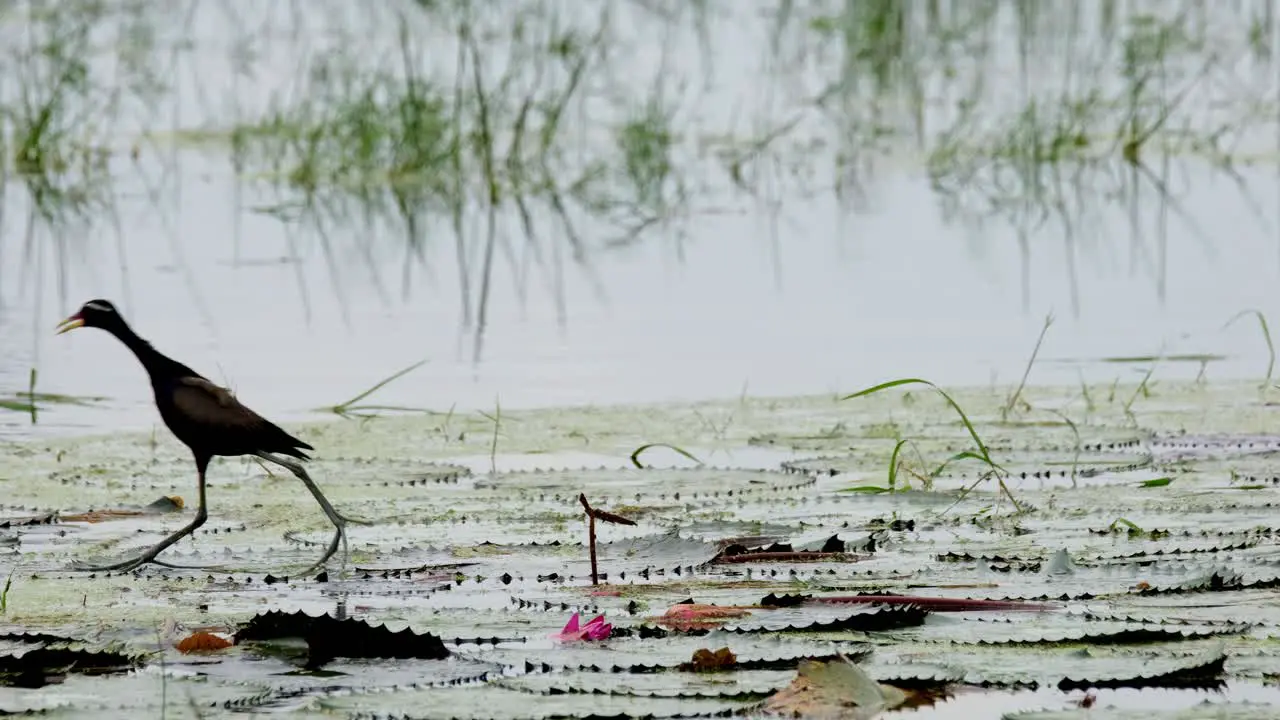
(95, 313)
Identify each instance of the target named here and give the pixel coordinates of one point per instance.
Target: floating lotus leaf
(647, 486)
(146, 693)
(1062, 628)
(1199, 711)
(25, 520)
(832, 618)
(1195, 446)
(739, 685)
(500, 702)
(35, 664)
(328, 638)
(384, 472)
(644, 652)
(1158, 555)
(1199, 665)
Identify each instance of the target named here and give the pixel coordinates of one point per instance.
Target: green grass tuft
(982, 453)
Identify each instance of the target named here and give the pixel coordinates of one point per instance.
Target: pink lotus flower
(596, 629)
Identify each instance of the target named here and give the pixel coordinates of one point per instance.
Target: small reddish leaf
(706, 661)
(691, 616)
(202, 641)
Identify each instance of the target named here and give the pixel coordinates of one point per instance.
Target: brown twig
(591, 537)
(592, 516)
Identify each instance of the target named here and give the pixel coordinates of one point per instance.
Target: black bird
(207, 419)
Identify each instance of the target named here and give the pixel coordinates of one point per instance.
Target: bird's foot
(122, 566)
(150, 555)
(351, 520)
(162, 563)
(339, 537)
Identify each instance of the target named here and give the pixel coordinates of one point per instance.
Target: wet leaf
(705, 660)
(834, 689)
(202, 642)
(692, 616)
(33, 665)
(328, 638)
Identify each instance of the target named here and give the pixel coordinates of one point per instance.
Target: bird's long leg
(202, 514)
(338, 519)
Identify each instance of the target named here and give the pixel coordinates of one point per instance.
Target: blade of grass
(986, 456)
(1141, 389)
(1133, 527)
(342, 408)
(893, 465)
(963, 455)
(31, 394)
(493, 448)
(869, 489)
(4, 594)
(1266, 335)
(635, 456)
(1022, 384)
(16, 406)
(1075, 458)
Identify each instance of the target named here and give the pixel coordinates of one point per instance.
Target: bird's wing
(206, 403)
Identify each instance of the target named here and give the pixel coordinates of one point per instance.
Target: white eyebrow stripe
(98, 306)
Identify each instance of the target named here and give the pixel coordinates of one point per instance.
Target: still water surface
(897, 293)
(815, 299)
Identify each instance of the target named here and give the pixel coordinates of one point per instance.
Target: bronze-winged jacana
(207, 419)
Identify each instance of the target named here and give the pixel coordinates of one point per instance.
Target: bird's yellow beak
(70, 323)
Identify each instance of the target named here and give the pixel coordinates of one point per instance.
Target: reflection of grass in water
(1085, 116)
(69, 73)
(476, 112)
(645, 143)
(48, 155)
(55, 111)
(397, 147)
(1083, 144)
(358, 148)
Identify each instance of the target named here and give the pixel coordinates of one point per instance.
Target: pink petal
(571, 630)
(598, 629)
(571, 626)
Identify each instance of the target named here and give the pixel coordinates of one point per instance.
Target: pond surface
(1131, 567)
(887, 227)
(738, 209)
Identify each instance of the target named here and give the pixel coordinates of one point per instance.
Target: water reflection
(564, 202)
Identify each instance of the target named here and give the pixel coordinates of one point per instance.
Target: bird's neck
(157, 364)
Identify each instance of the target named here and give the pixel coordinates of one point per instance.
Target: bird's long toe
(353, 521)
(122, 566)
(339, 537)
(162, 563)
